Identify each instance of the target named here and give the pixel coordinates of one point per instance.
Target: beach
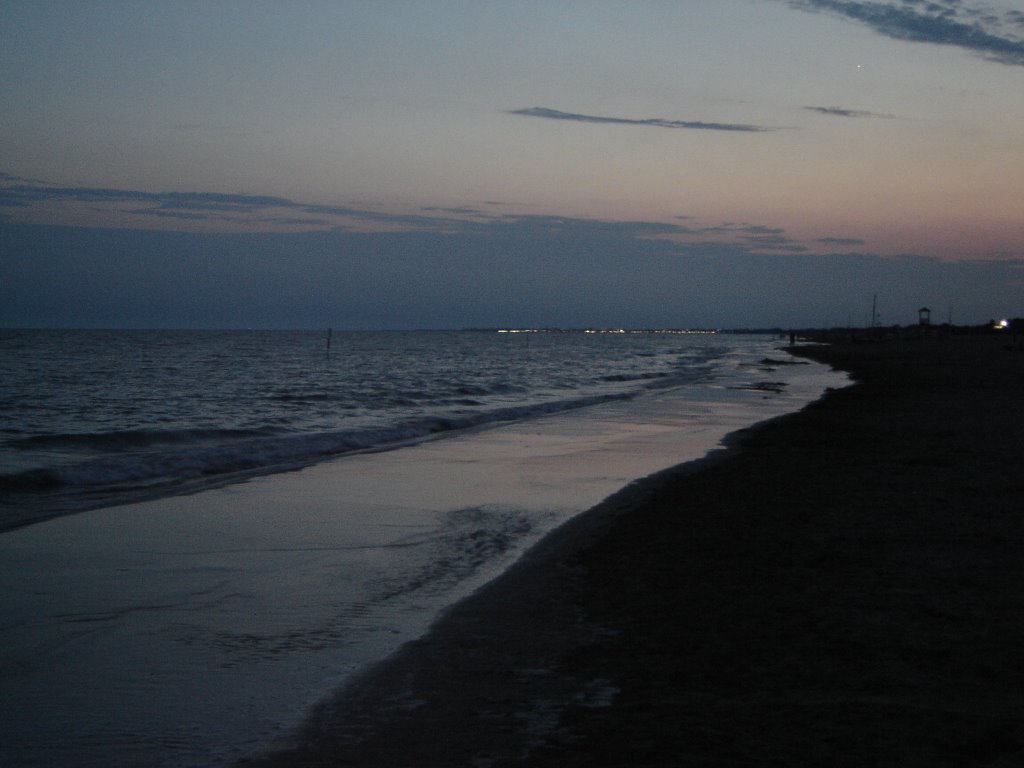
(841, 586)
(199, 623)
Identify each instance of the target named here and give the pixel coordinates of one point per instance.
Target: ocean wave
(29, 480)
(177, 455)
(130, 439)
(470, 539)
(625, 377)
(99, 440)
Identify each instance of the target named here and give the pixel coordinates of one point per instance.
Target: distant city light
(609, 330)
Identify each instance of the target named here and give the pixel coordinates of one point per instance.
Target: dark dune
(844, 588)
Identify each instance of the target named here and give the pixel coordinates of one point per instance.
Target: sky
(448, 164)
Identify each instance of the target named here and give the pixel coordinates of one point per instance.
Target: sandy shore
(846, 588)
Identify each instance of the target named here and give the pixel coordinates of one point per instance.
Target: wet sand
(843, 587)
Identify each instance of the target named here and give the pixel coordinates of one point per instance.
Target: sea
(203, 533)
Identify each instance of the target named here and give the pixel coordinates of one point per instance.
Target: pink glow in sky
(876, 127)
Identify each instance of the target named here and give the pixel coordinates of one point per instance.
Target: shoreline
(224, 616)
(846, 587)
(40, 489)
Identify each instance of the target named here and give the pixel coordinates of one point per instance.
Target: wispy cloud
(654, 122)
(25, 194)
(254, 213)
(842, 112)
(987, 33)
(455, 211)
(755, 237)
(10, 177)
(840, 241)
(209, 206)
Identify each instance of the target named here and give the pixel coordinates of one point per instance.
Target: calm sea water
(200, 624)
(93, 418)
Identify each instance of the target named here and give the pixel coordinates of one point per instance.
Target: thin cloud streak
(206, 201)
(939, 22)
(841, 112)
(255, 212)
(200, 206)
(654, 122)
(841, 240)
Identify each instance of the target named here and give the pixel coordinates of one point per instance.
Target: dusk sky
(448, 164)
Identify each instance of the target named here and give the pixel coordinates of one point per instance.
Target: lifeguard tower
(924, 317)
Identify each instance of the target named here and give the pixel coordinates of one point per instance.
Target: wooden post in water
(328, 342)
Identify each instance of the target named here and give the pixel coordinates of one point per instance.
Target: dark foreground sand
(845, 589)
